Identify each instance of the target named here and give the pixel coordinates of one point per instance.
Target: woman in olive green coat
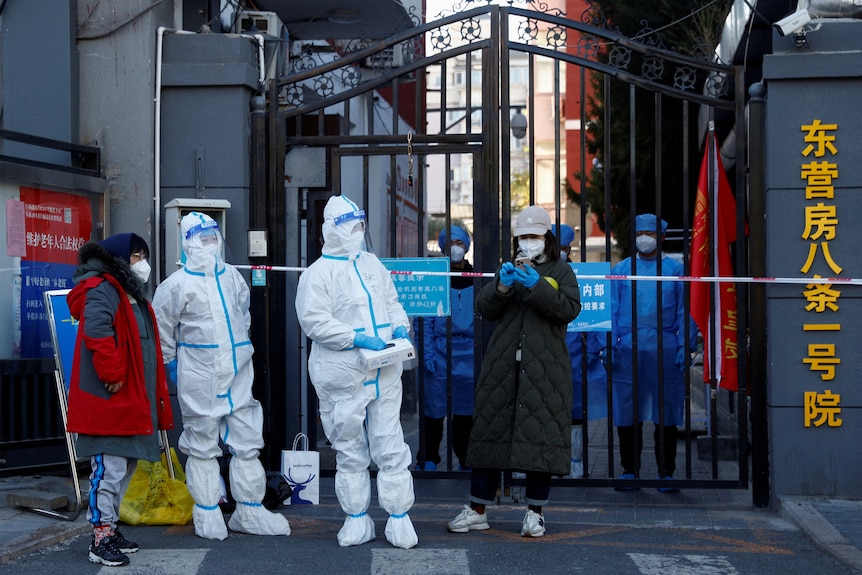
(522, 413)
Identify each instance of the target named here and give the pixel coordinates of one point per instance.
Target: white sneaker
(534, 524)
(469, 520)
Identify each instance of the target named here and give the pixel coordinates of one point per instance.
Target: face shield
(351, 222)
(352, 231)
(202, 242)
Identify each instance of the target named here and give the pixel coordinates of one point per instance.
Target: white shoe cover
(248, 486)
(400, 532)
(202, 479)
(258, 520)
(356, 530)
(209, 523)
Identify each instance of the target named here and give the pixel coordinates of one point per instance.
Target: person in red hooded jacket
(118, 393)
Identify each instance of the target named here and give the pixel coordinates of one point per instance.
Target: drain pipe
(157, 132)
(260, 58)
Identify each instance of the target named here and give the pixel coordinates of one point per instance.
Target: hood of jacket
(94, 259)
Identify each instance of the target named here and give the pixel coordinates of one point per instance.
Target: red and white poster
(56, 224)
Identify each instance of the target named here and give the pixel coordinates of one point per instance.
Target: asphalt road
(580, 539)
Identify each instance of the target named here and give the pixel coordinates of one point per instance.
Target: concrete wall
(821, 81)
(117, 71)
(201, 108)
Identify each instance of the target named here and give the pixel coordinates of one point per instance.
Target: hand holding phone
(520, 262)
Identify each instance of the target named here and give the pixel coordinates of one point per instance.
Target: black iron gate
(436, 113)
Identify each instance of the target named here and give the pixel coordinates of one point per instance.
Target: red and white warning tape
(709, 279)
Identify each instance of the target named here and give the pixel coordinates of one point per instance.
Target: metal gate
(426, 128)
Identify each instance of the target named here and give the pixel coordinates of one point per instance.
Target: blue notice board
(421, 294)
(595, 297)
(64, 331)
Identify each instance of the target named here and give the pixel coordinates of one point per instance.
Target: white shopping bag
(301, 468)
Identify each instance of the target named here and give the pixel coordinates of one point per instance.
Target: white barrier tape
(704, 279)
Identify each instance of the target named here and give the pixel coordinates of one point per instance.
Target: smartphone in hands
(521, 262)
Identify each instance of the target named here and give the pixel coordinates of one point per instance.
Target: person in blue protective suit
(580, 344)
(671, 333)
(345, 301)
(204, 319)
(436, 351)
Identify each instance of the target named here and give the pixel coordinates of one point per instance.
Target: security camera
(793, 23)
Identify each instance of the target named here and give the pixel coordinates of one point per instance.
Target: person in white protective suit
(346, 300)
(203, 316)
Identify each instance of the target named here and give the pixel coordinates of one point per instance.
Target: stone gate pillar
(813, 221)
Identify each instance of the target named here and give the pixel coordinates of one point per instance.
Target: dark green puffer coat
(524, 423)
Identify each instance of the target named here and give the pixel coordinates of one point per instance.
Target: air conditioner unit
(264, 22)
(269, 25)
(385, 59)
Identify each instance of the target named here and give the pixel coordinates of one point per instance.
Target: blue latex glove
(368, 342)
(172, 369)
(401, 333)
(507, 274)
(527, 276)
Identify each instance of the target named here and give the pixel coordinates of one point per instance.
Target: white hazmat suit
(346, 300)
(203, 315)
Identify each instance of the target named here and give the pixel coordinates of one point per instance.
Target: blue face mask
(646, 244)
(456, 254)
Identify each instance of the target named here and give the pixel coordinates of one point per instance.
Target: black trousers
(665, 453)
(484, 484)
(461, 427)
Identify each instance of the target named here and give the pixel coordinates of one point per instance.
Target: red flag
(720, 337)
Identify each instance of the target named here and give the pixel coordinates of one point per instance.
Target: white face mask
(563, 255)
(646, 244)
(456, 254)
(209, 251)
(532, 247)
(141, 270)
(351, 239)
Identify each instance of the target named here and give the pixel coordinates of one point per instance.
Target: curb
(40, 539)
(820, 531)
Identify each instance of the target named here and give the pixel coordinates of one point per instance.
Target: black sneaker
(124, 544)
(107, 553)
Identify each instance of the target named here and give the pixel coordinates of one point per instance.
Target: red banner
(715, 219)
(57, 224)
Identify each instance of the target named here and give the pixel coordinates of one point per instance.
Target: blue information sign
(64, 331)
(595, 297)
(421, 294)
(258, 278)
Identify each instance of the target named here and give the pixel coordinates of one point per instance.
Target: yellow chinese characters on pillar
(819, 178)
(821, 227)
(820, 297)
(821, 357)
(822, 408)
(818, 139)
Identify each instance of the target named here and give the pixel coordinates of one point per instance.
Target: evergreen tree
(689, 28)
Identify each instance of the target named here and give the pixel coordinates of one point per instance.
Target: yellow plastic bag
(153, 498)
